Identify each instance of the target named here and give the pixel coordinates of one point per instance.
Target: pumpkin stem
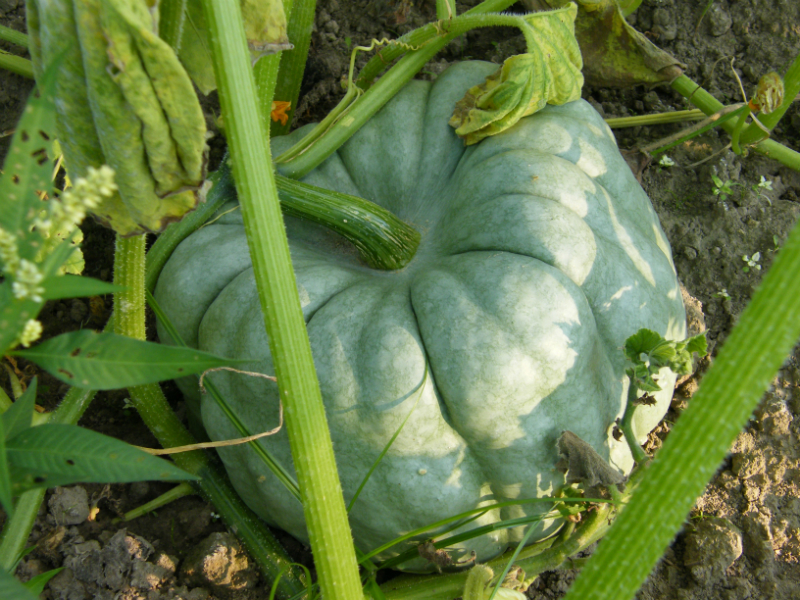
(383, 241)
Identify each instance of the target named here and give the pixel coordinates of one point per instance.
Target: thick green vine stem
(152, 406)
(306, 424)
(430, 39)
(383, 241)
(710, 105)
(700, 439)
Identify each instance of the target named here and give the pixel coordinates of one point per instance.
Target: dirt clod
(69, 506)
(711, 548)
(219, 563)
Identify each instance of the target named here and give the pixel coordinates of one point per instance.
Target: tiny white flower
(27, 279)
(30, 333)
(666, 161)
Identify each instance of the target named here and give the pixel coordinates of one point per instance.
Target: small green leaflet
(106, 361)
(19, 417)
(74, 286)
(54, 454)
(36, 584)
(11, 589)
(649, 352)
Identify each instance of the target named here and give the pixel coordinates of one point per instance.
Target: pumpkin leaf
(57, 454)
(649, 352)
(264, 24)
(614, 53)
(106, 361)
(550, 72)
(125, 101)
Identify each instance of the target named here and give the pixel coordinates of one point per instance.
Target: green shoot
(723, 189)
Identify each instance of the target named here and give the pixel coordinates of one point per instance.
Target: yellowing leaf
(549, 73)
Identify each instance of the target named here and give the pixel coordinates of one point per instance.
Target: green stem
(537, 558)
(678, 116)
(300, 15)
(171, 21)
(16, 64)
(710, 105)
(700, 439)
(176, 493)
(129, 319)
(445, 9)
(430, 39)
(13, 36)
(309, 437)
(626, 424)
(737, 129)
(383, 241)
(416, 38)
(791, 83)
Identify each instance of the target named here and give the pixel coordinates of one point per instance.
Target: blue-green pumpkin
(540, 255)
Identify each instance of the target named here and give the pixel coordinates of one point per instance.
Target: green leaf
(20, 416)
(11, 589)
(55, 454)
(36, 584)
(643, 341)
(74, 286)
(28, 165)
(106, 361)
(698, 344)
(550, 72)
(6, 496)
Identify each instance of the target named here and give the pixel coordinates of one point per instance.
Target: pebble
(665, 24)
(719, 20)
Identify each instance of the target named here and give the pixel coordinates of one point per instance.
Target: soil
(741, 541)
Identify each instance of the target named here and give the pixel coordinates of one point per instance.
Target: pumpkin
(540, 255)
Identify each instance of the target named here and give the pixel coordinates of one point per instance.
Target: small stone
(665, 24)
(69, 506)
(65, 586)
(219, 563)
(711, 548)
(719, 20)
(690, 253)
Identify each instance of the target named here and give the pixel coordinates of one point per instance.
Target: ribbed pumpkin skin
(540, 255)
